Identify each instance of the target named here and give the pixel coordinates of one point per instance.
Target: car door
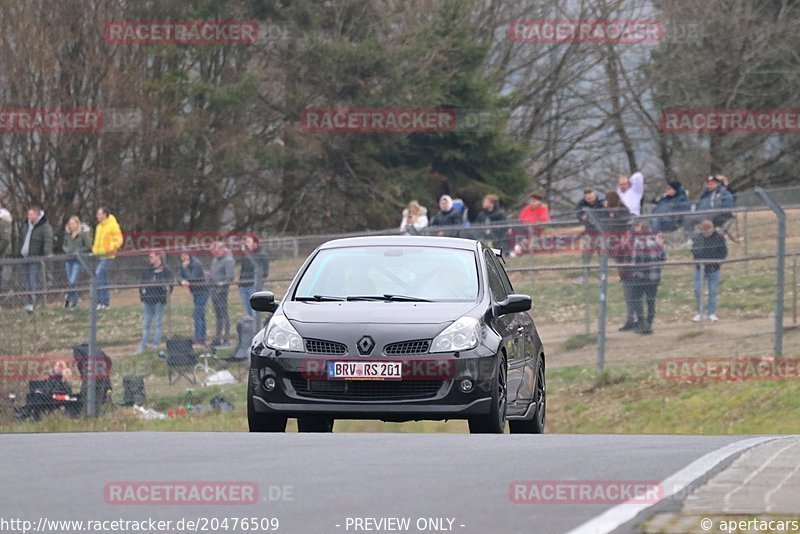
(508, 328)
(529, 346)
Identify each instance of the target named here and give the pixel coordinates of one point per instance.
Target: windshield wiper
(398, 298)
(319, 298)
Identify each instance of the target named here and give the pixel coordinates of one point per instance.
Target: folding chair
(180, 358)
(245, 330)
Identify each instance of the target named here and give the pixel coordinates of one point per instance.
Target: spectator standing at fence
(491, 214)
(590, 201)
(36, 241)
(222, 272)
(193, 276)
(415, 218)
(615, 223)
(648, 254)
(674, 200)
(715, 196)
(535, 211)
(615, 217)
(631, 190)
(107, 240)
(707, 246)
(254, 269)
(6, 248)
(447, 216)
(77, 240)
(154, 291)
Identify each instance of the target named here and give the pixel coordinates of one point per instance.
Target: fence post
(701, 290)
(92, 363)
(602, 304)
(586, 313)
(794, 289)
(43, 280)
(780, 275)
(746, 245)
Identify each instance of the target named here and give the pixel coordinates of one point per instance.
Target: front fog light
(269, 383)
(466, 385)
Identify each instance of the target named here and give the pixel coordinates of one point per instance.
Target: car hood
(380, 312)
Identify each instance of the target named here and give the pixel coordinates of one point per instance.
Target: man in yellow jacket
(107, 240)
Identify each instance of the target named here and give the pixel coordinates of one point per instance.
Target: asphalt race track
(313, 482)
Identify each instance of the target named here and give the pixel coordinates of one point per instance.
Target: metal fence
(585, 283)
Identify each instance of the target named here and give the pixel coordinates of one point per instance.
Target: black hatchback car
(398, 329)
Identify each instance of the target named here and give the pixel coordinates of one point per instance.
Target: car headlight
(463, 334)
(281, 335)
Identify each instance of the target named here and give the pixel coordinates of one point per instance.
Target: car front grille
(318, 346)
(407, 348)
(366, 390)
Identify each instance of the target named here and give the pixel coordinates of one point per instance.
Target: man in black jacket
(36, 241)
(591, 201)
(193, 276)
(491, 214)
(255, 268)
(707, 246)
(155, 289)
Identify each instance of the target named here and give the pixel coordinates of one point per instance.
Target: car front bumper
(430, 389)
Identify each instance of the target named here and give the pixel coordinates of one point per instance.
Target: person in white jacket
(631, 191)
(415, 218)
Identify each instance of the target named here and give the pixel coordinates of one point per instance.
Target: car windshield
(403, 273)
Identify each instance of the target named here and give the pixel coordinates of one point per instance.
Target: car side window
(495, 281)
(503, 276)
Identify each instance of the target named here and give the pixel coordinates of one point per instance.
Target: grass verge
(633, 400)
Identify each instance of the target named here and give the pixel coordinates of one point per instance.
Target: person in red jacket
(535, 211)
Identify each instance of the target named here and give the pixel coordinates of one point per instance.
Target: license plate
(365, 371)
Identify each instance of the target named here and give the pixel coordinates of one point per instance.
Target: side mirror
(264, 301)
(513, 304)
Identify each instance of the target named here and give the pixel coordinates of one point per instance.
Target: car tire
(495, 421)
(315, 423)
(262, 422)
(535, 425)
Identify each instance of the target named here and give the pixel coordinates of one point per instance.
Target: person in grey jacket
(36, 241)
(222, 272)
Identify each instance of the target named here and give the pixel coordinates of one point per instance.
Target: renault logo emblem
(365, 345)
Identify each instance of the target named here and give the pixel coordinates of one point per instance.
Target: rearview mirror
(264, 301)
(513, 304)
